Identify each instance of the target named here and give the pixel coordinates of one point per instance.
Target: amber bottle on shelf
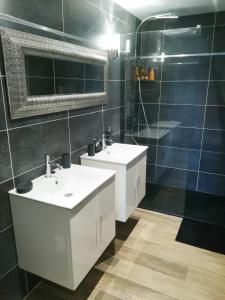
(137, 73)
(152, 75)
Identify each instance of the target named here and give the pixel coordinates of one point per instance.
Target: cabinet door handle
(96, 232)
(100, 228)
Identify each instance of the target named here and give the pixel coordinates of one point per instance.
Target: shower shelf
(180, 55)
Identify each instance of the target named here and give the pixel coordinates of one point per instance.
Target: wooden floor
(145, 262)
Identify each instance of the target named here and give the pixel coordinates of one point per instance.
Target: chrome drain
(68, 195)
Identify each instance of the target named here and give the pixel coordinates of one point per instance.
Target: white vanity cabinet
(129, 161)
(61, 241)
(92, 229)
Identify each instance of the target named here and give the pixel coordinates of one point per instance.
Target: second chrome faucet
(48, 164)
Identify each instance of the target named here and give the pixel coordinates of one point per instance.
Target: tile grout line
(8, 227)
(160, 97)
(69, 137)
(63, 23)
(36, 286)
(186, 127)
(7, 130)
(53, 64)
(206, 102)
(11, 269)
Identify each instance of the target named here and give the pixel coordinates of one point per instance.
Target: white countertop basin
(121, 154)
(67, 187)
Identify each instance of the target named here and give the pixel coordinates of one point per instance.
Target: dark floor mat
(202, 235)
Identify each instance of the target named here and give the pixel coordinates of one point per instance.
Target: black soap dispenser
(108, 136)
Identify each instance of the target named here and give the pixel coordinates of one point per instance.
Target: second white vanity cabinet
(65, 223)
(129, 162)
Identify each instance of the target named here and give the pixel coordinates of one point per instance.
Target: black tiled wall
(185, 105)
(24, 142)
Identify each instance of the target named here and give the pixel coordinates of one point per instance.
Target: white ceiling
(145, 8)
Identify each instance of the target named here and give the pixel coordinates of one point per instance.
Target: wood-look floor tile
(206, 280)
(101, 295)
(126, 289)
(153, 262)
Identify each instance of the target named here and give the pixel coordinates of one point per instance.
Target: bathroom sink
(67, 187)
(118, 153)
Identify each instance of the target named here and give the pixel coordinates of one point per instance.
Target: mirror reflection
(48, 76)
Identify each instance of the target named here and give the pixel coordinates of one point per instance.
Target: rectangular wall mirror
(45, 75)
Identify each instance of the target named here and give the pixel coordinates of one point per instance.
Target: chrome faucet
(48, 164)
(103, 141)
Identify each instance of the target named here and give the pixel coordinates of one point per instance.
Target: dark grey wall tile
(191, 21)
(216, 94)
(84, 128)
(5, 170)
(194, 40)
(151, 43)
(212, 162)
(112, 117)
(213, 184)
(214, 140)
(75, 156)
(219, 43)
(81, 19)
(217, 69)
(150, 173)
(108, 22)
(184, 92)
(151, 155)
(220, 18)
(116, 69)
(13, 285)
(41, 12)
(182, 138)
(30, 144)
(215, 117)
(150, 91)
(178, 158)
(7, 251)
(116, 90)
(186, 68)
(176, 178)
(152, 25)
(114, 9)
(151, 112)
(5, 211)
(185, 115)
(2, 113)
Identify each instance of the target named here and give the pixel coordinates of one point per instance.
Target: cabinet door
(84, 239)
(131, 189)
(106, 215)
(141, 180)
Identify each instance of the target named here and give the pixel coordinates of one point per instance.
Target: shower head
(163, 16)
(169, 15)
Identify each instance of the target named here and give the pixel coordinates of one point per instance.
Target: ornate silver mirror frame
(16, 45)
